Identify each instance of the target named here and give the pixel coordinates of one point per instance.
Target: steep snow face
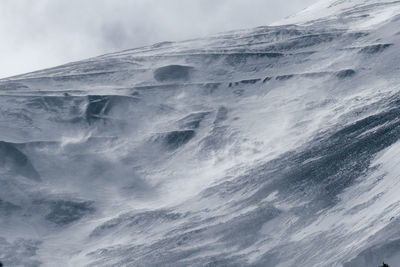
(276, 146)
(353, 13)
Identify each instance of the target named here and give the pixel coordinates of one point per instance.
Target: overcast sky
(36, 34)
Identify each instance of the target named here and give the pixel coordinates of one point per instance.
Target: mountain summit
(274, 146)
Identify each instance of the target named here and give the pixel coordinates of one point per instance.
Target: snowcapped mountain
(275, 146)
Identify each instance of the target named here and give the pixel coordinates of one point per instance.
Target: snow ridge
(273, 146)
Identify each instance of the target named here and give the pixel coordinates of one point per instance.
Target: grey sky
(37, 34)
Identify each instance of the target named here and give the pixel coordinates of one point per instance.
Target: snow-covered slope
(275, 146)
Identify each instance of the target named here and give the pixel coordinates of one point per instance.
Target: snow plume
(43, 33)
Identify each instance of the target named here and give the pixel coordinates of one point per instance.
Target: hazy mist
(43, 33)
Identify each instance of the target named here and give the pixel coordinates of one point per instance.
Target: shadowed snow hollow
(275, 146)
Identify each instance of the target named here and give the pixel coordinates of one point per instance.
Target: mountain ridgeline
(273, 146)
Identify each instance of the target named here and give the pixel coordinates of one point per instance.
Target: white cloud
(42, 33)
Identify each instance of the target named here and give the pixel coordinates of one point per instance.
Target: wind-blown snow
(275, 146)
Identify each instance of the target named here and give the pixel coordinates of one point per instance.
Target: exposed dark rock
(345, 73)
(99, 107)
(284, 77)
(267, 79)
(375, 255)
(251, 81)
(305, 41)
(16, 162)
(241, 58)
(63, 212)
(373, 49)
(175, 139)
(325, 169)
